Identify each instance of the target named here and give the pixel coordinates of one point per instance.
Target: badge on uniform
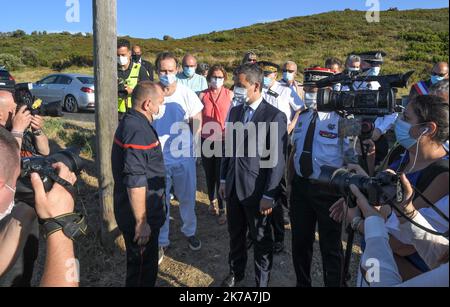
(331, 126)
(328, 134)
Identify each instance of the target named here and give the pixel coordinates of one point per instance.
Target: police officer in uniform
(287, 101)
(316, 143)
(129, 74)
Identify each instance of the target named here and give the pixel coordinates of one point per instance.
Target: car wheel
(71, 104)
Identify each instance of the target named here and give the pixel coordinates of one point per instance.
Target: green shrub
(10, 61)
(30, 57)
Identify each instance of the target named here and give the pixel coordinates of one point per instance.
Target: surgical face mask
(310, 100)
(353, 69)
(189, 71)
(162, 111)
(287, 76)
(402, 133)
(168, 80)
(436, 79)
(240, 95)
(10, 207)
(217, 82)
(374, 71)
(267, 82)
(122, 60)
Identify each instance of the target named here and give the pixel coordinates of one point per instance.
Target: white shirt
(326, 149)
(287, 101)
(295, 86)
(431, 216)
(378, 249)
(173, 128)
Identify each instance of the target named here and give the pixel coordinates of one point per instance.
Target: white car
(75, 92)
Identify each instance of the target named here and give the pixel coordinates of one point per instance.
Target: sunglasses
(439, 75)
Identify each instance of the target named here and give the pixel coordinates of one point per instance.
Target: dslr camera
(43, 167)
(383, 189)
(376, 103)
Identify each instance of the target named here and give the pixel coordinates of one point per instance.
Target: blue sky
(151, 18)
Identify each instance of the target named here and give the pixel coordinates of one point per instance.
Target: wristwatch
(38, 132)
(73, 226)
(356, 222)
(17, 134)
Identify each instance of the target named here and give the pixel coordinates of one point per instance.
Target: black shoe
(231, 281)
(278, 248)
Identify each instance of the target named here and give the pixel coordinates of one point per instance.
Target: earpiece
(426, 130)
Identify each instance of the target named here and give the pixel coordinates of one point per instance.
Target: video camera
(43, 166)
(384, 189)
(34, 106)
(376, 103)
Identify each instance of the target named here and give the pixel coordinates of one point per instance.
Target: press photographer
(431, 245)
(51, 207)
(422, 130)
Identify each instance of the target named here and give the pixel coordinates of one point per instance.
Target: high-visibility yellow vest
(131, 81)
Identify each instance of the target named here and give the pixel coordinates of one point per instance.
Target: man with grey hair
(248, 186)
(353, 63)
(290, 70)
(189, 77)
(440, 89)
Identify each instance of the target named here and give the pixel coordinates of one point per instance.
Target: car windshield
(4, 75)
(86, 80)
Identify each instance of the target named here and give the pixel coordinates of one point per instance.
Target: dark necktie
(306, 161)
(247, 114)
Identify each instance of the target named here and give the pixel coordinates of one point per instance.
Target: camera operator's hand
(337, 212)
(58, 201)
(406, 207)
(266, 206)
(21, 120)
(363, 204)
(37, 123)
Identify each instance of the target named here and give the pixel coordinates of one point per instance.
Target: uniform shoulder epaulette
(273, 93)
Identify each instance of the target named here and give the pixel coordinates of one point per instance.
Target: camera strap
(73, 225)
(64, 183)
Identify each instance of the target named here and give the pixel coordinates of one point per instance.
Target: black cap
(375, 57)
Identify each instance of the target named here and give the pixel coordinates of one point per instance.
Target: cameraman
(432, 248)
(48, 205)
(316, 143)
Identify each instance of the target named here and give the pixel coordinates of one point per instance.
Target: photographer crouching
(50, 207)
(25, 125)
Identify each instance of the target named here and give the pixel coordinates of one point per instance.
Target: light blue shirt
(197, 83)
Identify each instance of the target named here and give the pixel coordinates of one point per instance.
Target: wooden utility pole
(105, 61)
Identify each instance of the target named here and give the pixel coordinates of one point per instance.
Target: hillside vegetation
(413, 39)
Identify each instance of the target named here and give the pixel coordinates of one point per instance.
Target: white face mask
(217, 82)
(310, 99)
(240, 95)
(10, 207)
(162, 111)
(122, 60)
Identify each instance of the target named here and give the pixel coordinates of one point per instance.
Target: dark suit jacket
(149, 68)
(244, 172)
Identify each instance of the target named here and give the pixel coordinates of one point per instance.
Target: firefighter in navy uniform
(316, 143)
(139, 190)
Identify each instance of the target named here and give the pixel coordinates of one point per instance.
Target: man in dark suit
(252, 169)
(137, 58)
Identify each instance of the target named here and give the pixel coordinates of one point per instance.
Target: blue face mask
(374, 71)
(436, 79)
(402, 133)
(267, 82)
(168, 80)
(189, 71)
